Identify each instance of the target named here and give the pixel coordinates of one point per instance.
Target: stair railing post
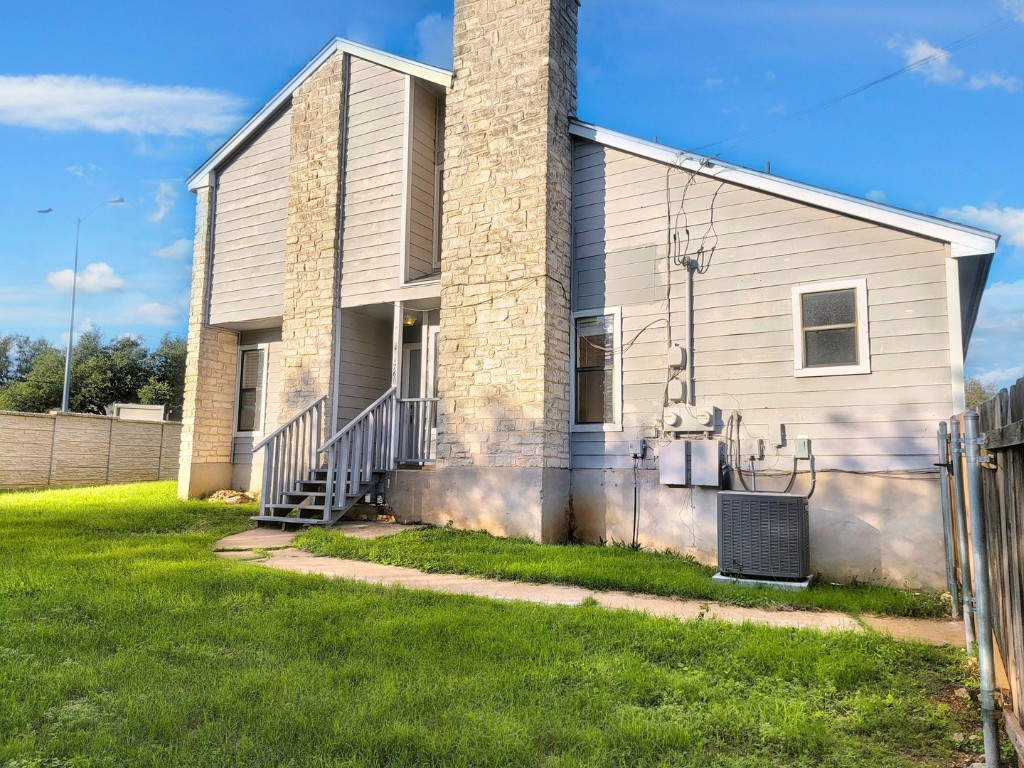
(329, 483)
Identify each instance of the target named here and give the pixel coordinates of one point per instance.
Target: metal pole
(947, 520)
(986, 664)
(966, 588)
(66, 402)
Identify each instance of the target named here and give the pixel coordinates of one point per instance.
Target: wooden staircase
(308, 483)
(305, 504)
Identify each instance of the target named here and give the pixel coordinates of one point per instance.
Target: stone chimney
(503, 432)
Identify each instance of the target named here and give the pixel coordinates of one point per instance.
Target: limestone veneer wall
(505, 260)
(210, 372)
(55, 450)
(308, 331)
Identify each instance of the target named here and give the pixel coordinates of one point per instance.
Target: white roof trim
(407, 66)
(963, 240)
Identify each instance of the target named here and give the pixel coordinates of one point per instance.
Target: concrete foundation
(197, 479)
(864, 527)
(531, 502)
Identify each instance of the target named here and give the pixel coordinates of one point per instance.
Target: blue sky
(99, 101)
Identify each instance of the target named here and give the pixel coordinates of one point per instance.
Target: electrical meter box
(690, 418)
(690, 462)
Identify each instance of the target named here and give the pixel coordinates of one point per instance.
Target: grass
(125, 642)
(447, 550)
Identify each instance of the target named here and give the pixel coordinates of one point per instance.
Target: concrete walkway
(276, 552)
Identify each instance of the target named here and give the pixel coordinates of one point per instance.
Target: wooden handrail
(288, 423)
(344, 430)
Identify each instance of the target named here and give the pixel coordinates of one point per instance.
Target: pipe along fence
(982, 467)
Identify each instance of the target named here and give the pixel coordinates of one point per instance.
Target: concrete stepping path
(280, 555)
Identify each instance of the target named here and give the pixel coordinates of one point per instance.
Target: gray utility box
(763, 535)
(690, 462)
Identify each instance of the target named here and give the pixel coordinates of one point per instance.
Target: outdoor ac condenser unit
(763, 535)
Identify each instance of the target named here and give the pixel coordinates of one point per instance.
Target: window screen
(250, 391)
(830, 328)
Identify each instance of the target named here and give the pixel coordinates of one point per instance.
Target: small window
(250, 390)
(596, 371)
(830, 329)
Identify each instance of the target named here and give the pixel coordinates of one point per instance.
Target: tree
(977, 391)
(18, 353)
(121, 371)
(42, 388)
(167, 384)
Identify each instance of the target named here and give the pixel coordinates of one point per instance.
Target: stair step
(311, 485)
(304, 499)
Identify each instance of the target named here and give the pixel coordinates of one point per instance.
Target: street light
(74, 286)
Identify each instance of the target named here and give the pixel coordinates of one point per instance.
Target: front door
(418, 392)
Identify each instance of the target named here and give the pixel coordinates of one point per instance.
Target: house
(444, 288)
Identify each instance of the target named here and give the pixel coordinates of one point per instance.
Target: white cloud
(938, 65)
(80, 170)
(95, 278)
(1000, 327)
(710, 83)
(74, 102)
(165, 196)
(1008, 222)
(1016, 7)
(877, 195)
(434, 37)
(159, 314)
(179, 249)
(992, 80)
(778, 109)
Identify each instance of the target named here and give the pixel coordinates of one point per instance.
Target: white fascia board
(963, 240)
(427, 72)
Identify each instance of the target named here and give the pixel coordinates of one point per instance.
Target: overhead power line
(963, 42)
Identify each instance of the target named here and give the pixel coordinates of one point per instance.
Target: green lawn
(125, 642)
(447, 550)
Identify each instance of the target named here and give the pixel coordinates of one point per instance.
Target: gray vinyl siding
(365, 371)
(372, 211)
(247, 281)
(422, 164)
(244, 473)
(763, 246)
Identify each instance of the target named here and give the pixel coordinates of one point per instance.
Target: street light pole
(66, 400)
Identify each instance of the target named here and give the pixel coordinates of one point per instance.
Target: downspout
(691, 398)
(986, 663)
(346, 69)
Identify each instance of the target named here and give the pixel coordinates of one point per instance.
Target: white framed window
(830, 328)
(595, 384)
(251, 390)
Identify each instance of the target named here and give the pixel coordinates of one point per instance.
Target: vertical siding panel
(371, 239)
(247, 281)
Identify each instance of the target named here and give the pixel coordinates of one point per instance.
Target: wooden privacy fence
(40, 450)
(1001, 427)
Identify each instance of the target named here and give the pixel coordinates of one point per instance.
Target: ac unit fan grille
(763, 535)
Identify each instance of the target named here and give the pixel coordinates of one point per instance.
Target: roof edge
(433, 74)
(963, 240)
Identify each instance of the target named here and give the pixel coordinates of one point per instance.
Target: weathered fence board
(1002, 423)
